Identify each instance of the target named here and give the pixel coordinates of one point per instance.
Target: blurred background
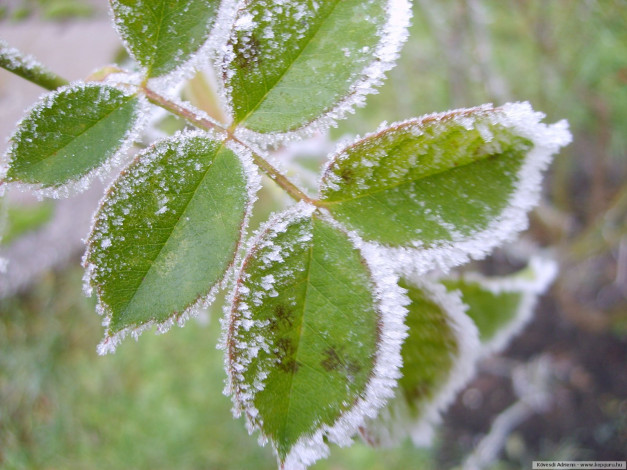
(158, 403)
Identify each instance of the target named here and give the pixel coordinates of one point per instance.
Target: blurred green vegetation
(154, 404)
(158, 403)
(52, 10)
(20, 220)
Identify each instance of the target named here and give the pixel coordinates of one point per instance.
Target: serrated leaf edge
(76, 186)
(186, 68)
(389, 301)
(467, 337)
(253, 183)
(543, 271)
(547, 140)
(391, 39)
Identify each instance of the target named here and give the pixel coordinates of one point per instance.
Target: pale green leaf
(462, 180)
(166, 233)
(71, 133)
(501, 306)
(289, 64)
(163, 34)
(438, 358)
(303, 335)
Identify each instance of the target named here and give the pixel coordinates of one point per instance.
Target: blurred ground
(158, 403)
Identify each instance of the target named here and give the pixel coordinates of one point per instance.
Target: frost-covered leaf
(163, 34)
(70, 134)
(289, 65)
(309, 353)
(167, 231)
(438, 358)
(444, 186)
(501, 306)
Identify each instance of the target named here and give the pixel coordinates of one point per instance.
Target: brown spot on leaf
(419, 391)
(347, 175)
(353, 368)
(247, 50)
(283, 313)
(282, 318)
(331, 360)
(285, 352)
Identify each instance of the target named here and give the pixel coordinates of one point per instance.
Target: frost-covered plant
(342, 317)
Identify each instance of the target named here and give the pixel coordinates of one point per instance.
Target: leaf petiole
(204, 123)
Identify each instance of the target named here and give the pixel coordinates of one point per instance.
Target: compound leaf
(70, 134)
(166, 233)
(289, 65)
(501, 306)
(438, 358)
(163, 34)
(451, 185)
(304, 336)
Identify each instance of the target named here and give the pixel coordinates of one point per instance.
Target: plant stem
(204, 123)
(280, 179)
(29, 68)
(180, 111)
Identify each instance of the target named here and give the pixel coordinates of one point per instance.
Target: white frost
(194, 61)
(391, 38)
(79, 185)
(530, 283)
(390, 302)
(138, 171)
(520, 117)
(394, 423)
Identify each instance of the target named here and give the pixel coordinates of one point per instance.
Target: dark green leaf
(501, 306)
(162, 34)
(166, 233)
(463, 180)
(303, 335)
(289, 64)
(438, 358)
(69, 134)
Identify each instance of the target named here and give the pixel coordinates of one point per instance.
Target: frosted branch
(29, 68)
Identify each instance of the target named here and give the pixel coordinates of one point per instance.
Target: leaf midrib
(327, 202)
(310, 260)
(302, 324)
(289, 67)
(153, 58)
(97, 122)
(172, 229)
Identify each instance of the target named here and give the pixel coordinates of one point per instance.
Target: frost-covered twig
(194, 116)
(531, 384)
(29, 68)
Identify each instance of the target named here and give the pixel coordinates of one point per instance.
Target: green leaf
(438, 358)
(288, 65)
(166, 233)
(163, 34)
(70, 134)
(501, 306)
(303, 337)
(459, 182)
